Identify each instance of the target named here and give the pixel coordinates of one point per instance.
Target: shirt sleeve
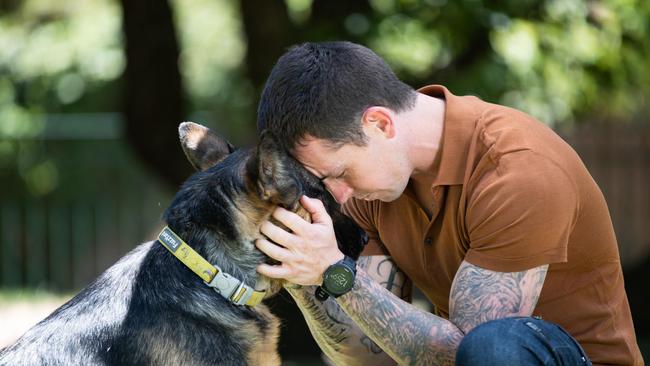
(364, 215)
(520, 214)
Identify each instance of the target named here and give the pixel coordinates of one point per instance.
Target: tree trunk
(269, 32)
(153, 104)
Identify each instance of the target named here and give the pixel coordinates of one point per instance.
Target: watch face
(338, 280)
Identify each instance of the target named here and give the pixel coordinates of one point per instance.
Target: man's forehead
(316, 156)
(308, 146)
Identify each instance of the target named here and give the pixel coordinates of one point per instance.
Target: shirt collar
(459, 126)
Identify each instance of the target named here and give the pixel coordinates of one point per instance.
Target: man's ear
(202, 146)
(379, 119)
(274, 173)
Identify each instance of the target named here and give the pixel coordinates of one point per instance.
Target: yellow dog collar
(229, 287)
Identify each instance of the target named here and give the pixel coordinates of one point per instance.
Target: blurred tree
(54, 58)
(560, 60)
(153, 88)
(267, 36)
(551, 58)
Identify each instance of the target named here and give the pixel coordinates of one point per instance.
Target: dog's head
(219, 210)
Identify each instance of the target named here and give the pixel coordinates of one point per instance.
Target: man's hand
(306, 251)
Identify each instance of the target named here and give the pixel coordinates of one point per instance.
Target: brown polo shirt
(510, 195)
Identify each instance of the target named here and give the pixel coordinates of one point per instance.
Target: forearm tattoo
(479, 295)
(395, 279)
(328, 324)
(380, 268)
(334, 331)
(409, 335)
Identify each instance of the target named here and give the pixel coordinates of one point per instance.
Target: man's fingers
(296, 223)
(277, 234)
(302, 247)
(274, 251)
(316, 209)
(273, 271)
(291, 220)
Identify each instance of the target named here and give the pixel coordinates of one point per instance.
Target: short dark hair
(322, 89)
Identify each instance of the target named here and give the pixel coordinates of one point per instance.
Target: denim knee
(488, 344)
(520, 341)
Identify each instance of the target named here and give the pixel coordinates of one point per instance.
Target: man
(485, 209)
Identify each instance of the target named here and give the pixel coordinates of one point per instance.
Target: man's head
(331, 100)
(322, 90)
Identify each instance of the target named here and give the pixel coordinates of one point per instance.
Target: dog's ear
(202, 146)
(274, 173)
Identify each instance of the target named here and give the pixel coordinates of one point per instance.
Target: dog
(150, 308)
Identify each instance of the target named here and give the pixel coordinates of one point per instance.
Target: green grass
(8, 296)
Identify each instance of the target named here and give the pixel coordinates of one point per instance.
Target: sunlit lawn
(21, 309)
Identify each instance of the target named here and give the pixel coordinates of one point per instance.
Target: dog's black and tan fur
(149, 309)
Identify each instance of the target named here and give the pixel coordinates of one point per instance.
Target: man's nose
(340, 191)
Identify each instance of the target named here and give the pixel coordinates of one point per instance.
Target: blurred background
(92, 91)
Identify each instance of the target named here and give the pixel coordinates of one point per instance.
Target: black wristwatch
(338, 279)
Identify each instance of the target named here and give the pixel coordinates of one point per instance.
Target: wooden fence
(63, 245)
(103, 203)
(618, 157)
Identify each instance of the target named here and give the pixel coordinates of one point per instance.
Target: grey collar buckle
(231, 288)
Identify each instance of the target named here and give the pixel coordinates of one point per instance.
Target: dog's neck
(231, 258)
(232, 287)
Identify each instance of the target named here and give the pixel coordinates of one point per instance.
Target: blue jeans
(520, 341)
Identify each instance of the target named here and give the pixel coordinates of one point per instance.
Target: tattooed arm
(478, 295)
(411, 336)
(336, 334)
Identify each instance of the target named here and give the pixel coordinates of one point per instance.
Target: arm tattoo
(409, 335)
(336, 334)
(395, 282)
(479, 295)
(328, 324)
(383, 270)
(370, 345)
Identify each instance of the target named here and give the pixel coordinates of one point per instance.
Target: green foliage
(556, 59)
(53, 56)
(53, 53)
(212, 46)
(560, 60)
(553, 58)
(212, 54)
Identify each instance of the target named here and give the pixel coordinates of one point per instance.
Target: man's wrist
(302, 294)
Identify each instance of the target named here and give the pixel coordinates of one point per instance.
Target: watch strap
(350, 263)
